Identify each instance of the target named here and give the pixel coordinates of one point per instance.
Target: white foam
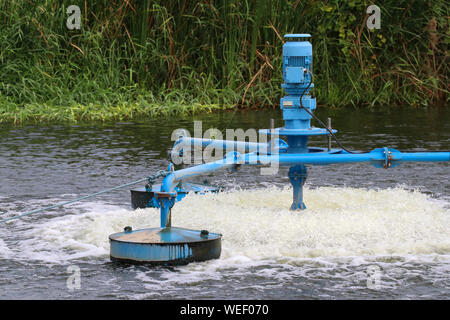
(257, 225)
(5, 251)
(79, 235)
(338, 222)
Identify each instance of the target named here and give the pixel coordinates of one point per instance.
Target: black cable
(332, 134)
(321, 123)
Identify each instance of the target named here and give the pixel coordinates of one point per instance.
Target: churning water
(366, 233)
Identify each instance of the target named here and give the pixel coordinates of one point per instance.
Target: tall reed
(215, 53)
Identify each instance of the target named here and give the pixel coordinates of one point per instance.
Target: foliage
(148, 58)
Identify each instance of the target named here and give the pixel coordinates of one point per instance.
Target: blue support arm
(425, 156)
(382, 157)
(240, 146)
(220, 144)
(169, 183)
(167, 195)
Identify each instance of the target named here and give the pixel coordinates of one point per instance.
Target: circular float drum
(164, 246)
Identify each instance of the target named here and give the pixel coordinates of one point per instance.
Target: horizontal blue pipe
(322, 159)
(290, 159)
(223, 144)
(169, 183)
(234, 158)
(426, 156)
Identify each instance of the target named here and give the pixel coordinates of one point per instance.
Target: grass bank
(152, 58)
(136, 107)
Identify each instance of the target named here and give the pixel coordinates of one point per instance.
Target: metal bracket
(388, 158)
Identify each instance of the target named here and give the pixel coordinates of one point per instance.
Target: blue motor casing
(297, 77)
(297, 56)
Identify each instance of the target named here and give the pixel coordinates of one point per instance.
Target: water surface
(367, 233)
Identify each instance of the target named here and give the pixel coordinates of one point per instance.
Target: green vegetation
(149, 58)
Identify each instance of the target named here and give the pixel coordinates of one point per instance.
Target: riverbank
(140, 108)
(152, 58)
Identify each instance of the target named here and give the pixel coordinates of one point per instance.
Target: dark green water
(396, 220)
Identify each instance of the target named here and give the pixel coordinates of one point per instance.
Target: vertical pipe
(329, 136)
(272, 132)
(297, 177)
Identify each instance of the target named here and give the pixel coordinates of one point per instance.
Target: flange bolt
(204, 233)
